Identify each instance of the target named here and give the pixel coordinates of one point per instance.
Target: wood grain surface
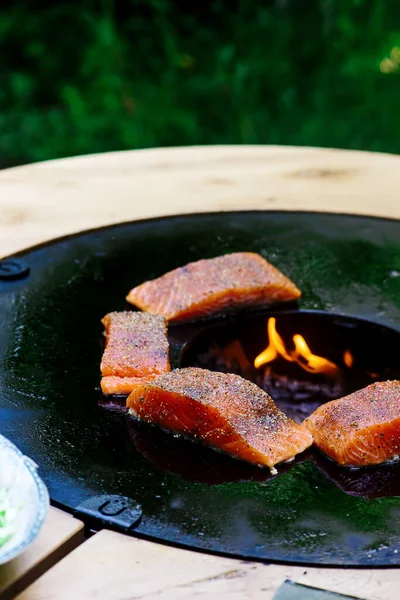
(47, 200)
(60, 534)
(112, 566)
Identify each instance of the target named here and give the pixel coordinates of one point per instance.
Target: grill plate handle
(113, 511)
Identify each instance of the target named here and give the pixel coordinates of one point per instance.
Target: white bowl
(23, 497)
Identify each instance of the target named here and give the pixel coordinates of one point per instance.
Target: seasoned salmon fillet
(211, 286)
(221, 410)
(136, 349)
(360, 429)
(121, 386)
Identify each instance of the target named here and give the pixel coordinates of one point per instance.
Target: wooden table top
(46, 200)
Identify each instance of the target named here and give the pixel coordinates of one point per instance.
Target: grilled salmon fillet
(360, 429)
(136, 349)
(221, 410)
(210, 286)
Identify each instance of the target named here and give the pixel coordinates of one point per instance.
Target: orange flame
(348, 358)
(301, 354)
(234, 354)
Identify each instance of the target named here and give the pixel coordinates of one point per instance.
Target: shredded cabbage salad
(24, 501)
(15, 485)
(7, 516)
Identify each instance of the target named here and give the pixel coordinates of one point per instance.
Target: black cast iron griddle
(50, 349)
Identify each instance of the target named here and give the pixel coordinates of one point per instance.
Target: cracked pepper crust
(211, 286)
(136, 347)
(222, 410)
(360, 429)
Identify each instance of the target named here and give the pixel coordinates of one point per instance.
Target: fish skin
(136, 347)
(360, 429)
(221, 410)
(212, 286)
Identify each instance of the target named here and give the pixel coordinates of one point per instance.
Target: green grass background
(81, 77)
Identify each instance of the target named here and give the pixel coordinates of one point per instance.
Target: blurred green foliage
(80, 77)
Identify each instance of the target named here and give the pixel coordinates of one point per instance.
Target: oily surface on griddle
(50, 351)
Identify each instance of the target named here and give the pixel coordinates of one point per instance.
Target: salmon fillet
(215, 285)
(136, 349)
(222, 410)
(121, 386)
(360, 429)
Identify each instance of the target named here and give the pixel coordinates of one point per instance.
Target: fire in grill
(301, 358)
